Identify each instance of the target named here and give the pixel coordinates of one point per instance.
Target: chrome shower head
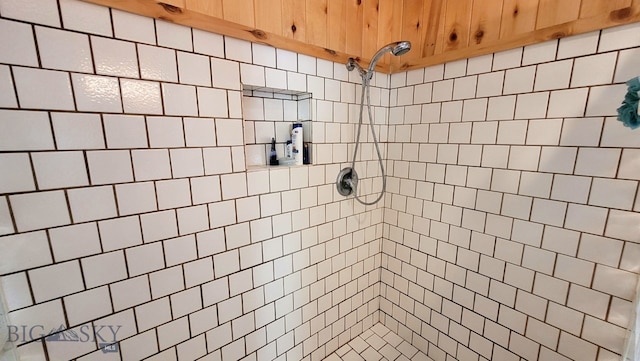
(401, 48)
(398, 48)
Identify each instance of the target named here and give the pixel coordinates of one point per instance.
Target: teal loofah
(628, 112)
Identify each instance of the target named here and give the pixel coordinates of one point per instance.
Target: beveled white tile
(619, 37)
(56, 281)
(173, 193)
(540, 53)
(43, 12)
(157, 63)
(85, 17)
(577, 45)
(97, 93)
(151, 164)
(229, 132)
(136, 198)
(19, 48)
(64, 50)
(60, 169)
(32, 83)
(16, 290)
(133, 27)
(6, 224)
(593, 70)
(252, 75)
(115, 57)
(567, 103)
(141, 97)
(186, 162)
(205, 42)
(39, 210)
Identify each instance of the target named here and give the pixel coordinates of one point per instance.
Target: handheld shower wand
(347, 182)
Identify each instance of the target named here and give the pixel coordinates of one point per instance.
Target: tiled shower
(130, 213)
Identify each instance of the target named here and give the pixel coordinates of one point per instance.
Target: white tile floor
(378, 344)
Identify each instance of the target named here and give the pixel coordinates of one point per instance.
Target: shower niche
(269, 113)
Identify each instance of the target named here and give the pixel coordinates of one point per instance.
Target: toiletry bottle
(296, 140)
(273, 155)
(288, 149)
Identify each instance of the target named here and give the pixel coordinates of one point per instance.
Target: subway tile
(179, 100)
(501, 108)
(455, 69)
(19, 48)
(133, 27)
(159, 225)
(548, 212)
(97, 93)
(552, 76)
(157, 63)
(194, 69)
(39, 210)
(140, 346)
(593, 70)
(597, 162)
(442, 91)
(141, 97)
(474, 109)
(6, 224)
(571, 188)
(186, 162)
(180, 250)
(564, 318)
(77, 131)
(120, 233)
(64, 50)
(43, 12)
(60, 169)
(104, 269)
(153, 314)
(30, 83)
(613, 193)
(614, 282)
(74, 241)
(620, 37)
(115, 57)
(557, 159)
(519, 80)
(130, 292)
(125, 131)
(212, 102)
(16, 290)
(615, 134)
(229, 132)
(621, 225)
(56, 281)
(578, 45)
(574, 270)
(166, 281)
(624, 68)
(144, 259)
(173, 193)
(586, 218)
(532, 106)
(111, 166)
(151, 164)
(540, 53)
(236, 49)
(567, 103)
(136, 198)
(598, 104)
(490, 84)
(208, 43)
(588, 301)
(199, 132)
(7, 90)
(535, 184)
(544, 131)
(20, 178)
(174, 36)
(25, 251)
(165, 132)
(507, 59)
(84, 17)
(629, 164)
(581, 131)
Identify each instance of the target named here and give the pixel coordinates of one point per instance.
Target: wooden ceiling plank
(370, 27)
(239, 11)
(211, 7)
(354, 16)
(590, 8)
(268, 15)
(457, 24)
(336, 27)
(433, 15)
(316, 21)
(486, 18)
(293, 19)
(554, 12)
(518, 17)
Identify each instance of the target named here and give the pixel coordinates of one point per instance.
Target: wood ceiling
(440, 30)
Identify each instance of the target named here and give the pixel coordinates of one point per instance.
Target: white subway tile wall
(508, 233)
(511, 246)
(126, 200)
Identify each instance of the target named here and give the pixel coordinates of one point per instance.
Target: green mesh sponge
(628, 112)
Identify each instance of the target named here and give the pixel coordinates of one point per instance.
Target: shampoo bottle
(296, 141)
